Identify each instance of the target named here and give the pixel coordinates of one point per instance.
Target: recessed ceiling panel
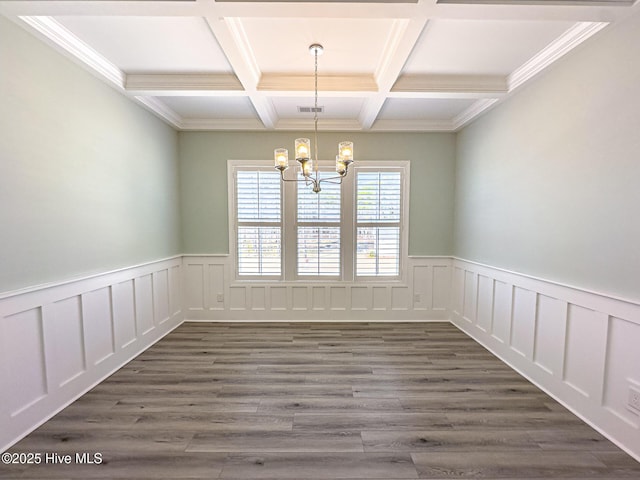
(211, 107)
(151, 44)
(334, 108)
(432, 109)
(351, 45)
(480, 47)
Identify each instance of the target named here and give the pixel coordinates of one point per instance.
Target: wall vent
(310, 109)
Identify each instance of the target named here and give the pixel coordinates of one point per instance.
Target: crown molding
(220, 124)
(324, 125)
(412, 126)
(193, 83)
(472, 112)
(161, 110)
(76, 48)
(573, 37)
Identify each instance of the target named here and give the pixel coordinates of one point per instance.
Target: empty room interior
(385, 239)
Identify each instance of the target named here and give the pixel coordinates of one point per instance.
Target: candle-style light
(303, 147)
(281, 158)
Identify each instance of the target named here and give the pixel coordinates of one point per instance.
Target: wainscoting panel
(423, 296)
(59, 341)
(579, 346)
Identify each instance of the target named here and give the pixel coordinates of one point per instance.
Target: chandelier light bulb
(281, 156)
(303, 148)
(345, 151)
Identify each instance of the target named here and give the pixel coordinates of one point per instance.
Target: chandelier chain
(315, 111)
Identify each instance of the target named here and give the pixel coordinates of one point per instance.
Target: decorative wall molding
(76, 48)
(581, 347)
(573, 37)
(212, 293)
(58, 341)
(472, 112)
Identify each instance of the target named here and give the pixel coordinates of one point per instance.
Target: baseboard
(335, 320)
(580, 347)
(60, 340)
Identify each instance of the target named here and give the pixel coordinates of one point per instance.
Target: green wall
(203, 173)
(548, 183)
(88, 179)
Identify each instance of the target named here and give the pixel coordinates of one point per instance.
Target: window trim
(348, 232)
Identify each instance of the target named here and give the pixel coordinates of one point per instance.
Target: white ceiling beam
(404, 35)
(450, 84)
(326, 83)
(232, 38)
(422, 10)
(184, 84)
(329, 124)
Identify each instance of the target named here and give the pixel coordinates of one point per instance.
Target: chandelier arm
(332, 180)
(306, 180)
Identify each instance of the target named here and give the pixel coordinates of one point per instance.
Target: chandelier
(309, 166)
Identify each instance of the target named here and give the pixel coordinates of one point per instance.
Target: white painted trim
(160, 109)
(64, 405)
(66, 40)
(61, 339)
(472, 112)
(325, 125)
(334, 320)
(423, 295)
(594, 403)
(605, 296)
(291, 84)
(411, 126)
(192, 82)
(249, 124)
(82, 278)
(573, 37)
(578, 346)
(468, 84)
(288, 205)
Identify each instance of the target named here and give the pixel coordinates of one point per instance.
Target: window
(378, 202)
(345, 232)
(259, 223)
(318, 230)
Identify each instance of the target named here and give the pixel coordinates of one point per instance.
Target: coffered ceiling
(412, 65)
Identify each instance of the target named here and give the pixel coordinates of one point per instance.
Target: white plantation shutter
(349, 232)
(318, 230)
(378, 220)
(259, 223)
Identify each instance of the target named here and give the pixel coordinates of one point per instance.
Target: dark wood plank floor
(320, 401)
